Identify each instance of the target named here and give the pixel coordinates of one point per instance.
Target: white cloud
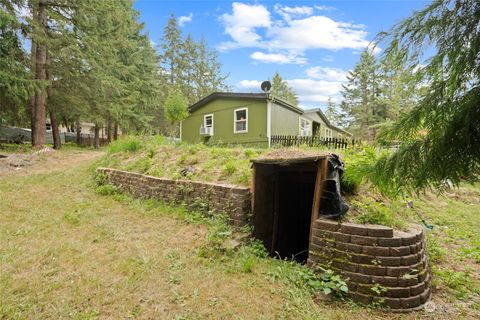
(311, 93)
(291, 32)
(328, 58)
(249, 85)
(292, 12)
(330, 74)
(241, 25)
(318, 32)
(324, 8)
(185, 19)
(314, 93)
(278, 58)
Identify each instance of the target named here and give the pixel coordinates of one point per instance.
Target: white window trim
(235, 121)
(205, 119)
(328, 133)
(300, 126)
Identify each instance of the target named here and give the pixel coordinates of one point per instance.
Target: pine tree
(332, 113)
(16, 83)
(208, 76)
(282, 90)
(441, 134)
(398, 86)
(361, 97)
(172, 47)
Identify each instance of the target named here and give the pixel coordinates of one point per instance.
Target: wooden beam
(317, 195)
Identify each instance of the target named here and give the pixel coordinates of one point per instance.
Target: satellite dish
(266, 86)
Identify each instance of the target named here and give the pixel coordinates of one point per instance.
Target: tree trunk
(115, 131)
(96, 138)
(33, 63)
(109, 129)
(39, 112)
(78, 129)
(57, 142)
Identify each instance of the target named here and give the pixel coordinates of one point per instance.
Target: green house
(252, 119)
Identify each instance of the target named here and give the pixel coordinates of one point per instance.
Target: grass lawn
(69, 252)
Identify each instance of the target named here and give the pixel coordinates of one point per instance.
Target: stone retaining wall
(233, 200)
(382, 265)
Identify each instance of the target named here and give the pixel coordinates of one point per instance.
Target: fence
(86, 139)
(334, 143)
(22, 135)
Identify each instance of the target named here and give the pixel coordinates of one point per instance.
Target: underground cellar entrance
(286, 199)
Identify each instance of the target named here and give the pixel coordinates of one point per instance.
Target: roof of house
(235, 95)
(229, 95)
(325, 119)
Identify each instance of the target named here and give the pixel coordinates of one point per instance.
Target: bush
(106, 190)
(127, 144)
(230, 168)
(373, 212)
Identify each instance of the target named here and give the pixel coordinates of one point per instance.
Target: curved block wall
(381, 265)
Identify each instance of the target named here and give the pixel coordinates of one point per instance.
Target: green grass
(70, 249)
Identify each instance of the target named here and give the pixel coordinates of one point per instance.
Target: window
(48, 126)
(305, 127)
(328, 133)
(208, 121)
(240, 120)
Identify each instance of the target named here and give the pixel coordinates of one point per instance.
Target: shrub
(373, 213)
(106, 190)
(229, 168)
(127, 144)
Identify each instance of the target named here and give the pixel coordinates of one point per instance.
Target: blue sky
(312, 44)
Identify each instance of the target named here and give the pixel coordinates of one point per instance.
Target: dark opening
(295, 199)
(282, 210)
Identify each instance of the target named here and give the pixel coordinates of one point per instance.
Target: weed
(106, 190)
(378, 289)
(151, 153)
(229, 168)
(72, 218)
(247, 264)
(126, 144)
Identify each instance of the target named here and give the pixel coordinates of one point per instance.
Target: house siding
(335, 133)
(223, 122)
(284, 121)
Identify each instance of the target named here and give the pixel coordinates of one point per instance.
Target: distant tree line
(75, 61)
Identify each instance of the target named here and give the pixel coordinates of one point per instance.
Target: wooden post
(322, 172)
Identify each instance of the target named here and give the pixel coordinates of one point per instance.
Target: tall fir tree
(332, 113)
(282, 90)
(16, 83)
(361, 97)
(172, 52)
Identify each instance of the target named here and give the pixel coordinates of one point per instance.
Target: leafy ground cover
(71, 250)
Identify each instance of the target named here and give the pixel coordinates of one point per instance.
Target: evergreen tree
(16, 83)
(398, 86)
(332, 113)
(361, 97)
(282, 90)
(208, 76)
(172, 52)
(441, 134)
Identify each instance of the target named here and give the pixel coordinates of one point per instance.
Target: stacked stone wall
(234, 201)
